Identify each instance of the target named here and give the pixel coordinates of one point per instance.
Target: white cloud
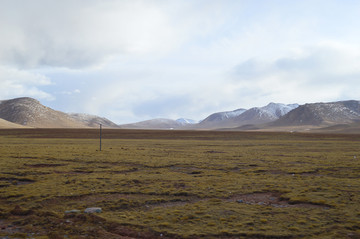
(326, 72)
(16, 83)
(76, 91)
(80, 34)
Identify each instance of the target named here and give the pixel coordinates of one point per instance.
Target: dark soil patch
(43, 165)
(214, 152)
(16, 181)
(24, 181)
(125, 171)
(8, 228)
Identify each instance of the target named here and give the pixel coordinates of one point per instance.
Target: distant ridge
(154, 124)
(30, 112)
(93, 120)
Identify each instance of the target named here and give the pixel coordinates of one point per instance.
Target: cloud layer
(132, 60)
(77, 34)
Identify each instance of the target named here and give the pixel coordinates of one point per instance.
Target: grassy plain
(178, 184)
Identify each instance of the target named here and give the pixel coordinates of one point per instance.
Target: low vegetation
(178, 184)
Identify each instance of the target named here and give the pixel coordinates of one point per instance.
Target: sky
(134, 60)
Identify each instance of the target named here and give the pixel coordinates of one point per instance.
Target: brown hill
(26, 111)
(4, 124)
(29, 112)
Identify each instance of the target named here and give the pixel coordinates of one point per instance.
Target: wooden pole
(100, 136)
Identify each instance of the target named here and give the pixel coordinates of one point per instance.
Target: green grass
(179, 184)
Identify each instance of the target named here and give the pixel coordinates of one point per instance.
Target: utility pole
(100, 136)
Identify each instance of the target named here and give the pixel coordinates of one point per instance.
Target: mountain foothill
(336, 117)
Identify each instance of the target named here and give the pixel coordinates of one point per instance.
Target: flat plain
(178, 184)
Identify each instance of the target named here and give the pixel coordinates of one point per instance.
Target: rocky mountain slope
(30, 112)
(322, 114)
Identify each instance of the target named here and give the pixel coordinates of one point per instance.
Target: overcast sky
(133, 60)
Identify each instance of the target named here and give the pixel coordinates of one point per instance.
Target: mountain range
(341, 116)
(239, 117)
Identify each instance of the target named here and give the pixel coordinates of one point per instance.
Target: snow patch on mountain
(221, 116)
(234, 113)
(276, 110)
(184, 121)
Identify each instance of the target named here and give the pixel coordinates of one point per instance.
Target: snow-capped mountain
(256, 115)
(276, 110)
(220, 116)
(268, 113)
